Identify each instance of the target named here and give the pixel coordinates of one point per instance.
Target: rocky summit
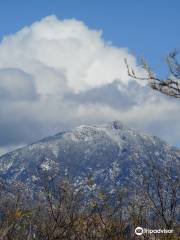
(108, 154)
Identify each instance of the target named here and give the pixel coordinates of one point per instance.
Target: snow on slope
(108, 153)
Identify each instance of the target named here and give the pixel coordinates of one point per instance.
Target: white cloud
(68, 49)
(57, 74)
(16, 85)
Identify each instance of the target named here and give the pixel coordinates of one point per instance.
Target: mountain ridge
(110, 153)
(86, 126)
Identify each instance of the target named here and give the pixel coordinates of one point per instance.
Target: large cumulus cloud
(56, 74)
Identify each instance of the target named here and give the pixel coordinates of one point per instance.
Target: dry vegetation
(65, 213)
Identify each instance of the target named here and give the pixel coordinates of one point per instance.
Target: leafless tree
(169, 86)
(64, 214)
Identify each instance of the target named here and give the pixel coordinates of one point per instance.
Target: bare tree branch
(169, 86)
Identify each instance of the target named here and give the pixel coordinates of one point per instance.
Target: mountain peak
(85, 150)
(117, 124)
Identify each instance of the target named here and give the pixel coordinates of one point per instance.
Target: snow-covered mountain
(107, 153)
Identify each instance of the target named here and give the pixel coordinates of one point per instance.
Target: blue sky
(148, 28)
